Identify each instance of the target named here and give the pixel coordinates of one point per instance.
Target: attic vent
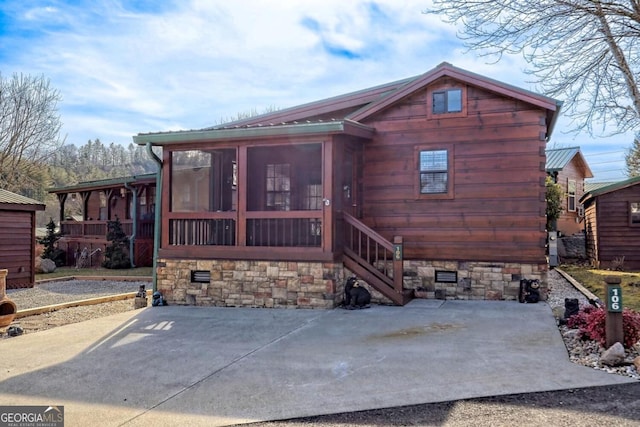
(200, 276)
(446, 276)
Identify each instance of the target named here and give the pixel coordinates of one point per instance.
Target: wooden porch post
(329, 202)
(241, 194)
(398, 269)
(62, 198)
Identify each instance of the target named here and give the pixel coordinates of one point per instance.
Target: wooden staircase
(375, 260)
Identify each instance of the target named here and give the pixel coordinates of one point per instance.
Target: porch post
(328, 227)
(398, 268)
(241, 194)
(62, 198)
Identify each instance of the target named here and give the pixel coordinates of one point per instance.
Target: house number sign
(397, 252)
(614, 300)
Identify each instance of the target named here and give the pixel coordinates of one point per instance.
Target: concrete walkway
(168, 366)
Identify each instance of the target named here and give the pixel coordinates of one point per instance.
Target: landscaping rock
(636, 363)
(613, 356)
(45, 265)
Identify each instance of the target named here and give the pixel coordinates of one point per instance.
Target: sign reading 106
(614, 300)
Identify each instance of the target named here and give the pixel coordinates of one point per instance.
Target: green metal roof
(103, 183)
(256, 131)
(559, 158)
(610, 188)
(9, 198)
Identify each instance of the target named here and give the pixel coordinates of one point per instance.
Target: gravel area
(68, 291)
(58, 292)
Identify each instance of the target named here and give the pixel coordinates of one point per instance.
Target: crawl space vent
(446, 276)
(200, 276)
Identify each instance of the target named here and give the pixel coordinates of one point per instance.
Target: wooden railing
(94, 228)
(284, 232)
(200, 232)
(376, 260)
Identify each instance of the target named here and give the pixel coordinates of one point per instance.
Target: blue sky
(125, 67)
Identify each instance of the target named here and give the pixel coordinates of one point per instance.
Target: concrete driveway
(218, 366)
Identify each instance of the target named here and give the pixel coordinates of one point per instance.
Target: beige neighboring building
(568, 167)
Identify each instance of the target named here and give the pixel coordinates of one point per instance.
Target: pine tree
(116, 253)
(51, 251)
(632, 158)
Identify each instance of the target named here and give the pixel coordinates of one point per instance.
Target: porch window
(434, 175)
(634, 213)
(571, 195)
(278, 180)
(203, 181)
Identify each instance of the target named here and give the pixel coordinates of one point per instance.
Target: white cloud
(189, 64)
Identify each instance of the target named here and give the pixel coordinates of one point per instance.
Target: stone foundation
(295, 284)
(475, 280)
(251, 283)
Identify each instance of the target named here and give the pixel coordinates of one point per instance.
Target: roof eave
(349, 127)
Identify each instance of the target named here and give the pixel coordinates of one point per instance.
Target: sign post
(613, 322)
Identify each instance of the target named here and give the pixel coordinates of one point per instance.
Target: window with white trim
(434, 171)
(571, 195)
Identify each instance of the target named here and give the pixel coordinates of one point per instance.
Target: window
(447, 101)
(434, 176)
(278, 181)
(634, 213)
(571, 195)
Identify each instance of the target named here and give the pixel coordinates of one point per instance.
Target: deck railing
(98, 228)
(200, 232)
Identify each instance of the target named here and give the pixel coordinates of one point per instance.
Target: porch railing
(378, 261)
(98, 228)
(188, 231)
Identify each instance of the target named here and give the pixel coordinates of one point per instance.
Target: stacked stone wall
(251, 283)
(321, 285)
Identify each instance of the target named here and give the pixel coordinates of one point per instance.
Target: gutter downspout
(134, 215)
(156, 226)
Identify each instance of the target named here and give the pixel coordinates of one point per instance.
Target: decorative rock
(636, 363)
(45, 265)
(613, 356)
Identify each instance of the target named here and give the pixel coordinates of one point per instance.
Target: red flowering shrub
(579, 321)
(591, 323)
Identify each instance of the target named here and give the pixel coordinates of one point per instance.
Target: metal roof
(9, 198)
(590, 186)
(610, 188)
(342, 114)
(559, 158)
(103, 183)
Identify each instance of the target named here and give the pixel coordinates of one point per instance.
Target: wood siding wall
(17, 247)
(615, 237)
(497, 209)
(569, 222)
(591, 232)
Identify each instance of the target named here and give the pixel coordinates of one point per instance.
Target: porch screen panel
(190, 181)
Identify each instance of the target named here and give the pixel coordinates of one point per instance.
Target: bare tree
(29, 130)
(586, 52)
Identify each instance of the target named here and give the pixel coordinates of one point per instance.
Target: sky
(127, 67)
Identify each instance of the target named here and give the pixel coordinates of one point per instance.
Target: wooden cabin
(434, 182)
(569, 168)
(18, 238)
(130, 199)
(612, 225)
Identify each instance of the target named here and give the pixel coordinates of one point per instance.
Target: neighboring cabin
(568, 167)
(439, 176)
(612, 224)
(17, 238)
(130, 199)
